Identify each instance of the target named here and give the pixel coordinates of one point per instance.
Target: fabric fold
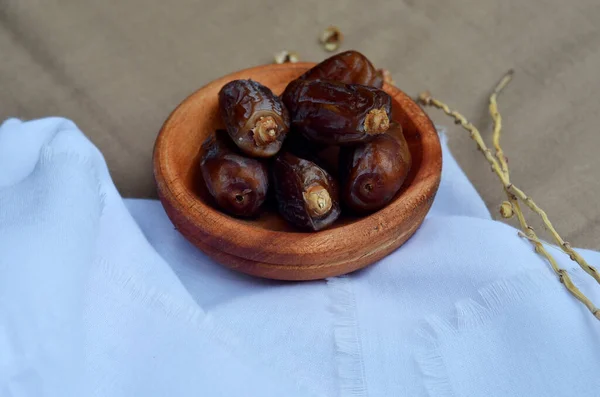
(101, 296)
(526, 323)
(87, 306)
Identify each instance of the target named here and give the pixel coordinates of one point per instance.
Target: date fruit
(238, 184)
(373, 172)
(299, 146)
(307, 195)
(255, 118)
(350, 67)
(335, 113)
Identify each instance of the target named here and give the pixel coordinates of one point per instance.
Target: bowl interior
(204, 111)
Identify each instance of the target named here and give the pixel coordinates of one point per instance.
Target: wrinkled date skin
(336, 113)
(307, 195)
(239, 184)
(373, 172)
(255, 118)
(350, 67)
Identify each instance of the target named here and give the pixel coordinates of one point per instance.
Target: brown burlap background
(117, 68)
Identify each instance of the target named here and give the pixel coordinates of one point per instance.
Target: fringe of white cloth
(350, 366)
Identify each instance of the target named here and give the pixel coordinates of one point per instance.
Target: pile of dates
(282, 145)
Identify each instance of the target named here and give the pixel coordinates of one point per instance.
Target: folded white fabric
(100, 296)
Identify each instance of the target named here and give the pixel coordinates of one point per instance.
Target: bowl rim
(236, 236)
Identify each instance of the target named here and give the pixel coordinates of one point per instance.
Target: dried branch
(563, 276)
(529, 232)
(500, 167)
(498, 119)
(426, 99)
(565, 246)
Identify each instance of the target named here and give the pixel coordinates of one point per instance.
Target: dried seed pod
(331, 38)
(373, 172)
(387, 76)
(239, 184)
(255, 118)
(506, 210)
(336, 113)
(350, 67)
(286, 57)
(307, 195)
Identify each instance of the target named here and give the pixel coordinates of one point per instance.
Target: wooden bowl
(267, 246)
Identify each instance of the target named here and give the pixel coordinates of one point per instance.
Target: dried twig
(562, 273)
(500, 167)
(529, 232)
(498, 119)
(426, 99)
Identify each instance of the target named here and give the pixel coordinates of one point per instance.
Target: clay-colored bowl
(267, 246)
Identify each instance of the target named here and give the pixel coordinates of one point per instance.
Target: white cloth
(100, 296)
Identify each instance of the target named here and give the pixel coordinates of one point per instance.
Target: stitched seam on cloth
(348, 345)
(156, 300)
(151, 295)
(469, 314)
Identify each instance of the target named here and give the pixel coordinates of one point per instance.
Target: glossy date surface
(335, 113)
(373, 172)
(239, 184)
(306, 194)
(255, 118)
(350, 67)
